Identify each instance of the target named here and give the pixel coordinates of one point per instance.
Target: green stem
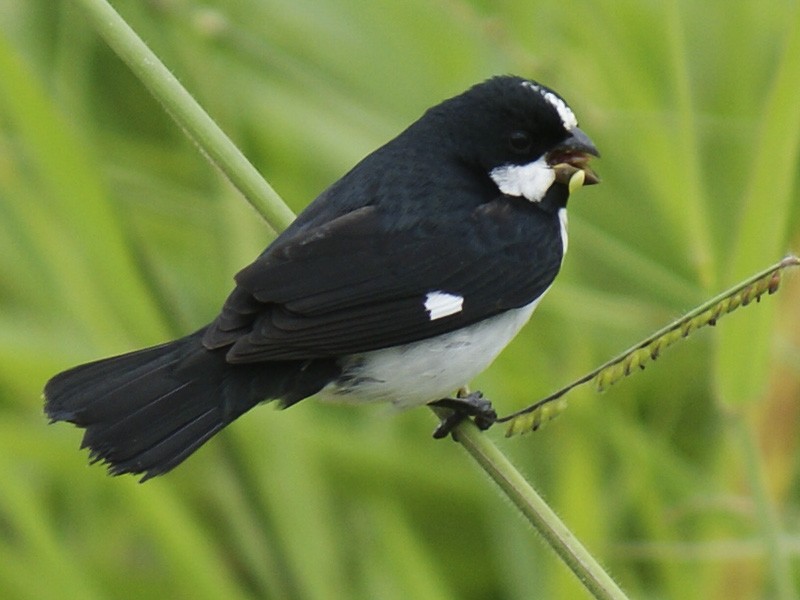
(189, 115)
(590, 573)
(213, 142)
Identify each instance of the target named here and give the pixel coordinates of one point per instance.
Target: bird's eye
(520, 141)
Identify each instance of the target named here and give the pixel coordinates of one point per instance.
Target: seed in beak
(576, 181)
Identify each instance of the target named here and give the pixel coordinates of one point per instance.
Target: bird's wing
(354, 284)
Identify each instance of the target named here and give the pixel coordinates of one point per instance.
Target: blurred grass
(115, 233)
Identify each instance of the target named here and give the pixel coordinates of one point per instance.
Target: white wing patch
(531, 181)
(564, 111)
(442, 304)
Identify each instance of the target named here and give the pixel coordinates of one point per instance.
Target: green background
(116, 233)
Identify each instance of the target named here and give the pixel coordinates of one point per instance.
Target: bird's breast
(419, 372)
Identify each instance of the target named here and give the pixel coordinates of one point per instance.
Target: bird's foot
(463, 406)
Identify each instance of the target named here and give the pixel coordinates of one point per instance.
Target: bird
(400, 282)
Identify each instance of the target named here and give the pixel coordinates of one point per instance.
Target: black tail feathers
(147, 411)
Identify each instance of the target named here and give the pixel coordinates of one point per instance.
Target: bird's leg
(466, 404)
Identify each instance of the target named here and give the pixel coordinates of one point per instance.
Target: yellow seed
(717, 311)
(537, 419)
(521, 424)
(655, 348)
(774, 282)
(734, 302)
(672, 337)
(603, 380)
(631, 362)
(576, 181)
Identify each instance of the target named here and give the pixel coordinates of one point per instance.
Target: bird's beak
(570, 160)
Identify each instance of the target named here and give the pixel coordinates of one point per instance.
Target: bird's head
(523, 134)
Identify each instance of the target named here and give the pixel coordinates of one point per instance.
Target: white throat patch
(531, 181)
(565, 112)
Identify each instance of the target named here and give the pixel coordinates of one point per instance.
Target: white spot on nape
(562, 221)
(531, 181)
(442, 304)
(565, 112)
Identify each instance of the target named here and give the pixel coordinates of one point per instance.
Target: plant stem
(538, 512)
(216, 145)
(189, 115)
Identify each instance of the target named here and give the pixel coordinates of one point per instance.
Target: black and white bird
(400, 282)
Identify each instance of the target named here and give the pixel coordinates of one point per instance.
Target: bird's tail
(147, 411)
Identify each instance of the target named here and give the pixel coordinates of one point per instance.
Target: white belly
(431, 369)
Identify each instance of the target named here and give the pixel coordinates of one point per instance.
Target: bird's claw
(462, 407)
